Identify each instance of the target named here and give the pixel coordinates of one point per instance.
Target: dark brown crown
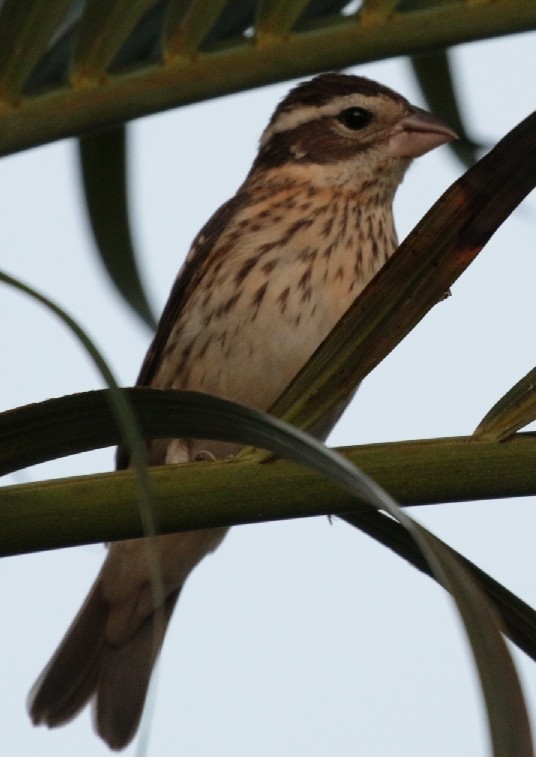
(325, 87)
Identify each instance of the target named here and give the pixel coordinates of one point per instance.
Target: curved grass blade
(222, 494)
(434, 74)
(419, 472)
(512, 412)
(507, 717)
(518, 617)
(27, 29)
(509, 726)
(101, 32)
(124, 419)
(103, 166)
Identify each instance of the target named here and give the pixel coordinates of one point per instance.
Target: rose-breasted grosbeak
(265, 281)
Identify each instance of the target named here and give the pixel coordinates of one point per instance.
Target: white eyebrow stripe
(291, 119)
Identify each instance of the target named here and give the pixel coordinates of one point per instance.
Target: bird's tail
(85, 666)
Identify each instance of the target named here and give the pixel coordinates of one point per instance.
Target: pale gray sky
(295, 638)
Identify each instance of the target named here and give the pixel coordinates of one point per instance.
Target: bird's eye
(355, 118)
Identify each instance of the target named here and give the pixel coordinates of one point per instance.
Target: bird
(265, 281)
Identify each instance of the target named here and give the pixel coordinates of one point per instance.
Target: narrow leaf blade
(27, 29)
(507, 716)
(102, 30)
(512, 412)
(103, 166)
(187, 25)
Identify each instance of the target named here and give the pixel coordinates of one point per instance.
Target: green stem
(103, 507)
(70, 111)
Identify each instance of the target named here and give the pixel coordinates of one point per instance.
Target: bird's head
(354, 127)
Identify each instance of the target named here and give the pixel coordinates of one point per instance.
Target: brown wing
(190, 275)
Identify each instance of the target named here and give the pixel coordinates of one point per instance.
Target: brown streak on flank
(321, 210)
(269, 266)
(303, 223)
(204, 348)
(358, 262)
(186, 351)
(282, 299)
(169, 348)
(305, 279)
(339, 274)
(307, 255)
(246, 268)
(257, 298)
(381, 230)
(344, 225)
(217, 266)
(305, 284)
(367, 185)
(267, 247)
(228, 305)
(326, 230)
(289, 203)
(328, 251)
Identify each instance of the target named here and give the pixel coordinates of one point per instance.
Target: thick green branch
(70, 111)
(51, 514)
